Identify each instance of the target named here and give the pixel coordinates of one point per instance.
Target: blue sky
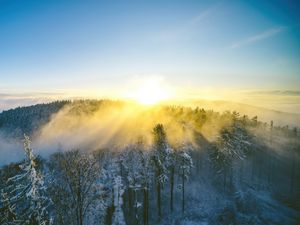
(72, 46)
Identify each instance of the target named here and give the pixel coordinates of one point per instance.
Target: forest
(116, 163)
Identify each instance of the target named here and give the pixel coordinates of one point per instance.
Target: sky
(60, 48)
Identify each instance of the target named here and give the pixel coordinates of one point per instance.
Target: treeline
(235, 170)
(16, 122)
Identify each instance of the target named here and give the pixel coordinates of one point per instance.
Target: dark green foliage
(16, 122)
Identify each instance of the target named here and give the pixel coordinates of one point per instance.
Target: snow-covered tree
(137, 176)
(185, 164)
(74, 187)
(232, 143)
(146, 178)
(113, 186)
(8, 215)
(118, 216)
(26, 192)
(132, 179)
(160, 159)
(172, 169)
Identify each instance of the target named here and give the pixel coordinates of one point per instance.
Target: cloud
(12, 100)
(258, 37)
(279, 100)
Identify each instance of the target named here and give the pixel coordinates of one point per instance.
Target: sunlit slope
(98, 124)
(263, 114)
(94, 124)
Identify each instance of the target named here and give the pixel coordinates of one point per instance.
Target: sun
(151, 92)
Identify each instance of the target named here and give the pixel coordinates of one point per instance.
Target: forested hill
(16, 122)
(162, 165)
(29, 119)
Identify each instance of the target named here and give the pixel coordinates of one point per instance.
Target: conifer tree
(160, 159)
(26, 192)
(185, 163)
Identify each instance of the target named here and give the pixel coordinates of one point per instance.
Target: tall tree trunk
(158, 189)
(80, 214)
(146, 206)
(79, 204)
(135, 207)
(183, 183)
(172, 188)
(109, 214)
(130, 203)
(147, 191)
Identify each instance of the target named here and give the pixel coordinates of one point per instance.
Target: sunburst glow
(151, 92)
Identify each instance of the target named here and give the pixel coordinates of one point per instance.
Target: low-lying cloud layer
(9, 101)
